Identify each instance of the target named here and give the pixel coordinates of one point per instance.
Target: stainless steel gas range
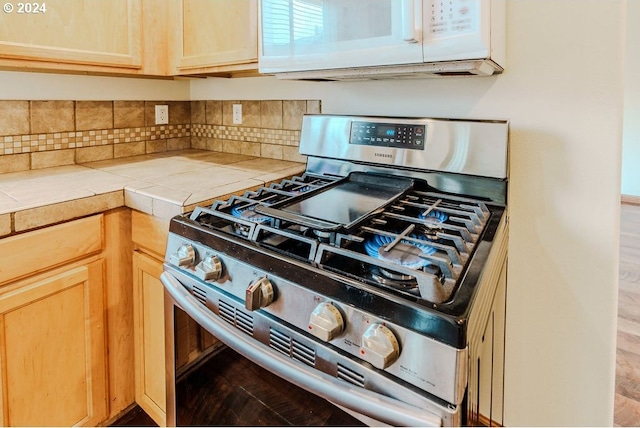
(367, 280)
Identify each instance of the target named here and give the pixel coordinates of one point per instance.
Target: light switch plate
(162, 114)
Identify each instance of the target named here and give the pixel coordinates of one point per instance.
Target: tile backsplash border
(41, 134)
(15, 144)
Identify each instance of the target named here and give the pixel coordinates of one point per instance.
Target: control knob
(209, 269)
(259, 294)
(326, 322)
(184, 256)
(379, 346)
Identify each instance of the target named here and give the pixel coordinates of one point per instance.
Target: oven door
(365, 405)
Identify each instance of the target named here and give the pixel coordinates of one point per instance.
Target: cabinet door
(148, 301)
(218, 33)
(52, 337)
(106, 33)
(491, 394)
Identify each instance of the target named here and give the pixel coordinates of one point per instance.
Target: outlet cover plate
(237, 114)
(162, 114)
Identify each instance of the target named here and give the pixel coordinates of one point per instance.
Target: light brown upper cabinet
(218, 37)
(72, 35)
(131, 37)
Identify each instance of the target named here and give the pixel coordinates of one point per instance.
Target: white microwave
(364, 39)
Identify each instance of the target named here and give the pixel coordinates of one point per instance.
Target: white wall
(42, 86)
(631, 140)
(563, 93)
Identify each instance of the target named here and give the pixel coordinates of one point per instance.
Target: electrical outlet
(162, 114)
(237, 114)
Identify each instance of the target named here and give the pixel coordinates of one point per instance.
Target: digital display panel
(402, 136)
(386, 131)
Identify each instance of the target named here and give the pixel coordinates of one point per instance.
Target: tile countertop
(163, 184)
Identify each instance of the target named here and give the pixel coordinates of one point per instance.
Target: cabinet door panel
(218, 32)
(75, 31)
(53, 359)
(148, 297)
(491, 393)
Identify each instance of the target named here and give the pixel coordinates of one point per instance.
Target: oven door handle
(373, 405)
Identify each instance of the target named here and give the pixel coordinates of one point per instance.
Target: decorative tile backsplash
(40, 134)
(269, 129)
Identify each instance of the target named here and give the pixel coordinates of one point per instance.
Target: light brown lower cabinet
(66, 323)
(491, 394)
(149, 235)
(52, 337)
(148, 297)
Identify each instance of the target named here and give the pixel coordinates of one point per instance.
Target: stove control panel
(397, 135)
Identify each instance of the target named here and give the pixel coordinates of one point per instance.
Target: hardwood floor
(135, 417)
(627, 399)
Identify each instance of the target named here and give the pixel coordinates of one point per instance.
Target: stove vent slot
(292, 348)
(226, 312)
(244, 322)
(280, 342)
(303, 353)
(233, 316)
(199, 294)
(350, 376)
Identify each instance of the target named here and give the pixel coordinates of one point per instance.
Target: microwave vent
(412, 71)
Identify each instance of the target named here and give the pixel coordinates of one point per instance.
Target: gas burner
(432, 227)
(394, 280)
(247, 214)
(404, 253)
(301, 189)
(402, 282)
(435, 216)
